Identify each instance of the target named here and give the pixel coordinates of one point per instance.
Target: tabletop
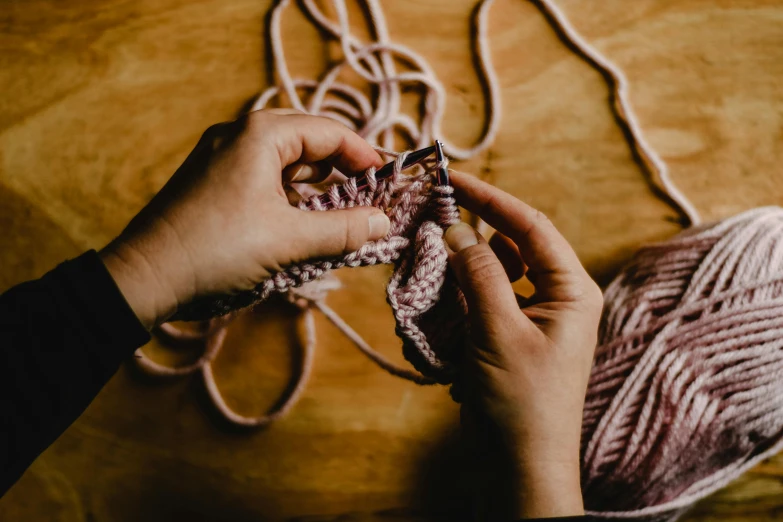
(101, 101)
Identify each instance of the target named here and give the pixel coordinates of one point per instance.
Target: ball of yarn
(686, 391)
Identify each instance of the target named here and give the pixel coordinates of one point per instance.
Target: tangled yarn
(685, 392)
(375, 62)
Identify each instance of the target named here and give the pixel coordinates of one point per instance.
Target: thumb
(481, 277)
(338, 232)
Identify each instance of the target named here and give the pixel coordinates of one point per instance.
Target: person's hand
(523, 380)
(223, 222)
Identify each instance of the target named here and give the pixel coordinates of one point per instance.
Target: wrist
(547, 489)
(146, 291)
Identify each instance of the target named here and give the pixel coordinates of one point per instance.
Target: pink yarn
(214, 337)
(653, 165)
(377, 120)
(686, 391)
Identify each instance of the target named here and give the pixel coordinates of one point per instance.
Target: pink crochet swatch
(428, 308)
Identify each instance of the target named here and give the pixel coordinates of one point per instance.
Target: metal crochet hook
(442, 177)
(387, 170)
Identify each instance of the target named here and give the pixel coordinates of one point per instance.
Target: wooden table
(101, 101)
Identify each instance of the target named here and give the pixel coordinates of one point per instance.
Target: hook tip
(442, 178)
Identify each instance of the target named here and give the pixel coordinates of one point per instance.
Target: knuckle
(542, 218)
(482, 265)
(214, 135)
(587, 296)
(539, 221)
(256, 120)
(324, 120)
(335, 125)
(353, 237)
(595, 296)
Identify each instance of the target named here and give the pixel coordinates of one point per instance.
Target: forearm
(64, 336)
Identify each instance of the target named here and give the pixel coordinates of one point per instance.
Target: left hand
(526, 369)
(223, 222)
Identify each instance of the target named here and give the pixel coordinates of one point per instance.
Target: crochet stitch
(428, 308)
(419, 212)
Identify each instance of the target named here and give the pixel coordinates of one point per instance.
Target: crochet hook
(387, 170)
(442, 177)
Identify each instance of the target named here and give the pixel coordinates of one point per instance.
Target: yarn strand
(652, 163)
(375, 63)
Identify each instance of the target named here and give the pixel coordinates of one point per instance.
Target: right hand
(523, 381)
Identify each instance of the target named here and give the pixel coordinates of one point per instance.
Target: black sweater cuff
(96, 302)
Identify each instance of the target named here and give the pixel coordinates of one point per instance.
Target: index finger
(554, 267)
(302, 138)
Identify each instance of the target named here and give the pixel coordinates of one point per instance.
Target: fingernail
(460, 237)
(379, 226)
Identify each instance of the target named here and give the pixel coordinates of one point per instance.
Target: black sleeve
(62, 337)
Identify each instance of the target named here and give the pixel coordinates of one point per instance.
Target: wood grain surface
(102, 99)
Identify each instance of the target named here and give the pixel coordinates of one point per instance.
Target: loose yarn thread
(654, 166)
(685, 392)
(379, 119)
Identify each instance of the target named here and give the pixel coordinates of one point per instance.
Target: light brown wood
(102, 99)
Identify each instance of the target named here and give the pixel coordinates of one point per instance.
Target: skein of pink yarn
(686, 391)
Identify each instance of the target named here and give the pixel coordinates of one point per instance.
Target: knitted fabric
(428, 308)
(419, 212)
